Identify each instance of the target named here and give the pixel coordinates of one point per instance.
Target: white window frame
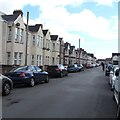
(8, 58)
(9, 33)
(21, 35)
(32, 59)
(38, 59)
(20, 58)
(33, 40)
(15, 58)
(16, 34)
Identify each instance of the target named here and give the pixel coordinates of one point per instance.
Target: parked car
(88, 65)
(108, 68)
(29, 75)
(114, 77)
(81, 68)
(57, 70)
(6, 85)
(73, 68)
(116, 92)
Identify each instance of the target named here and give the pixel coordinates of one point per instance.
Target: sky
(94, 22)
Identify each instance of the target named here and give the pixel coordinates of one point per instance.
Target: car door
(40, 74)
(33, 70)
(116, 80)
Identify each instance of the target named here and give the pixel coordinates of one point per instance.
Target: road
(80, 95)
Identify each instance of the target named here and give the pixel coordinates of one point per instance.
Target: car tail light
(57, 69)
(22, 74)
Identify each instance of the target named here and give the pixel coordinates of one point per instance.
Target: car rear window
(52, 67)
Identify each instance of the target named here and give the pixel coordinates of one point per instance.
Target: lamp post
(26, 39)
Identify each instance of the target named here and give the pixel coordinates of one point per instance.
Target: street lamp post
(26, 39)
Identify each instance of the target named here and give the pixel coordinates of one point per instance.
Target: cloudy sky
(94, 22)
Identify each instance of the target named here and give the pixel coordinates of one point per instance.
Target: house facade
(55, 47)
(35, 45)
(14, 43)
(42, 48)
(47, 46)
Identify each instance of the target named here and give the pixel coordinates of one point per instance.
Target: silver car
(113, 77)
(6, 85)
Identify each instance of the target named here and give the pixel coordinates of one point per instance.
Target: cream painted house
(35, 45)
(3, 37)
(42, 49)
(66, 53)
(14, 43)
(55, 49)
(72, 55)
(47, 52)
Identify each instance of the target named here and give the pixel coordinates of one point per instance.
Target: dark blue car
(73, 68)
(29, 75)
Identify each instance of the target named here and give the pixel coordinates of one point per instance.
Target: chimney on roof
(18, 12)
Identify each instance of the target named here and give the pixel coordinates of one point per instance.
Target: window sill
(16, 42)
(9, 41)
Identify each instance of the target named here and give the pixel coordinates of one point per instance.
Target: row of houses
(43, 48)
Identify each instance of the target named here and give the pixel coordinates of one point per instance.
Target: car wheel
(32, 82)
(6, 88)
(47, 79)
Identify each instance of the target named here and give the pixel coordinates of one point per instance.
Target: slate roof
(54, 37)
(66, 45)
(34, 28)
(71, 49)
(10, 18)
(45, 32)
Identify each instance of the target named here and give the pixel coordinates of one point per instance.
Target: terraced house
(42, 48)
(13, 42)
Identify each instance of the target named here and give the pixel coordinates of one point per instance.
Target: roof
(54, 37)
(45, 32)
(71, 48)
(66, 45)
(10, 18)
(34, 28)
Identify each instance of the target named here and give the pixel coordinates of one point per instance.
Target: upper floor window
(16, 34)
(53, 46)
(33, 40)
(21, 35)
(9, 33)
(39, 41)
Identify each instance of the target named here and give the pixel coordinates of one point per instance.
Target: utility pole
(79, 51)
(26, 39)
(60, 39)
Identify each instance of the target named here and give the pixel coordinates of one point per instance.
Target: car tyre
(6, 88)
(32, 82)
(47, 79)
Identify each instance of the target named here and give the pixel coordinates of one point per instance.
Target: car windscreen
(70, 66)
(19, 69)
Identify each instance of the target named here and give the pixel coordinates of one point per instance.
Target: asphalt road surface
(80, 95)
